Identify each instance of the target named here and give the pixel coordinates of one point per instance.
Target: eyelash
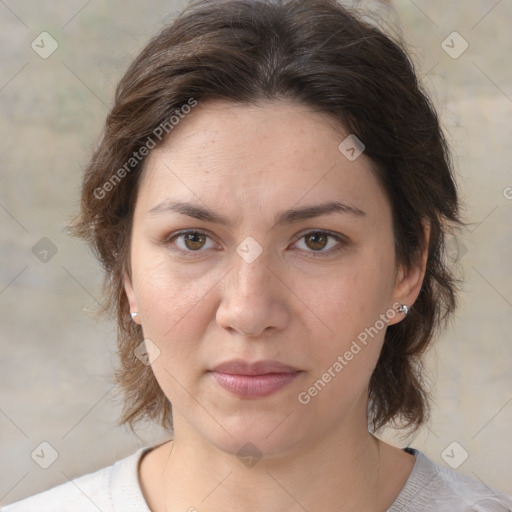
(316, 254)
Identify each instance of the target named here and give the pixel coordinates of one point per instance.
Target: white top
(429, 488)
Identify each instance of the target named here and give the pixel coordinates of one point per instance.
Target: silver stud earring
(403, 309)
(133, 315)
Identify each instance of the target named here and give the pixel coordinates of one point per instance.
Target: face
(247, 269)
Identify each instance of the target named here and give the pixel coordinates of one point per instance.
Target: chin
(257, 435)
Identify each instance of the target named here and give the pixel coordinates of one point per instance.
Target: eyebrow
(284, 217)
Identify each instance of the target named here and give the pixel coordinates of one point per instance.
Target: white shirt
(116, 488)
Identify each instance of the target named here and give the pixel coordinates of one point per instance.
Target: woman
(270, 200)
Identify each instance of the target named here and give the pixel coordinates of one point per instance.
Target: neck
(331, 474)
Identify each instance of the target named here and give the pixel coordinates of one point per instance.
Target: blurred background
(60, 62)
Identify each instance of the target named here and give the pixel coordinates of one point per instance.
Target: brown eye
(316, 241)
(194, 241)
(320, 243)
(190, 242)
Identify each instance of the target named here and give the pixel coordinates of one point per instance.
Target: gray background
(57, 359)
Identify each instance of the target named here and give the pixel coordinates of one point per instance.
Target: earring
(133, 315)
(403, 309)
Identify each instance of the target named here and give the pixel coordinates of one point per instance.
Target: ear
(409, 281)
(132, 299)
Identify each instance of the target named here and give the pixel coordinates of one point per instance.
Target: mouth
(254, 380)
(241, 367)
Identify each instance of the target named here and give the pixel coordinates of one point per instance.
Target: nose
(254, 299)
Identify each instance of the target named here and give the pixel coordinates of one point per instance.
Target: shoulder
(431, 487)
(110, 489)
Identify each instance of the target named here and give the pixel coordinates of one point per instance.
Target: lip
(254, 380)
(241, 367)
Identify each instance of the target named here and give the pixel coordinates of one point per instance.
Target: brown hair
(318, 54)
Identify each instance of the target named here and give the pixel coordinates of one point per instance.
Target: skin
(202, 308)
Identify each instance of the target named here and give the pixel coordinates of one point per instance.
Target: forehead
(245, 157)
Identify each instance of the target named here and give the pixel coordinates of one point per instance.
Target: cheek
(354, 295)
(343, 362)
(175, 313)
(350, 307)
(168, 298)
